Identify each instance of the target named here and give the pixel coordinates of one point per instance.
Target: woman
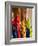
(23, 19)
(16, 23)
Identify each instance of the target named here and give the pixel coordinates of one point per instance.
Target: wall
(2, 23)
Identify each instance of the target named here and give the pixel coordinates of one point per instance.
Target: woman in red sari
(16, 22)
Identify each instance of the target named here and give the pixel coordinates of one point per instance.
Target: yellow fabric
(23, 29)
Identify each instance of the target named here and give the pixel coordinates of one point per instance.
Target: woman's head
(23, 13)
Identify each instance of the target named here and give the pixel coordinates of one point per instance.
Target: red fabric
(16, 22)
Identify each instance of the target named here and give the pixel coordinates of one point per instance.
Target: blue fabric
(27, 32)
(14, 32)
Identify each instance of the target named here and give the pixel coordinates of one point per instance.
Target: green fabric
(28, 23)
